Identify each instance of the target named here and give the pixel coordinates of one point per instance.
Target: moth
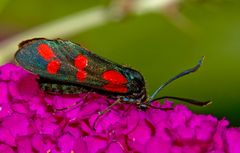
(65, 67)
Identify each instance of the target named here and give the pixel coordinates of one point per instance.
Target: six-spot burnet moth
(67, 68)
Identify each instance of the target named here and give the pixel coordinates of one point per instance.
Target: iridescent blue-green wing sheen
(44, 58)
(47, 59)
(64, 61)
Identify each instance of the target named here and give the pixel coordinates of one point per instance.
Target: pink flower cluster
(28, 124)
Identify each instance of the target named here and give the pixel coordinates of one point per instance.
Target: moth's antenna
(195, 68)
(187, 100)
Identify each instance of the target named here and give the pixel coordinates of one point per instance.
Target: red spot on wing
(116, 81)
(53, 66)
(114, 77)
(45, 51)
(81, 75)
(80, 61)
(116, 88)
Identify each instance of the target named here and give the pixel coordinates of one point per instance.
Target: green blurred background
(158, 43)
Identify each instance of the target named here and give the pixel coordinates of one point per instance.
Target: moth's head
(136, 80)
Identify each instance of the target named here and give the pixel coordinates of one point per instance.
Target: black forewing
(65, 52)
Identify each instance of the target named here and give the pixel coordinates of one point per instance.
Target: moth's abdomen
(56, 88)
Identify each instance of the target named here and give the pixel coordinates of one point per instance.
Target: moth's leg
(72, 105)
(105, 111)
